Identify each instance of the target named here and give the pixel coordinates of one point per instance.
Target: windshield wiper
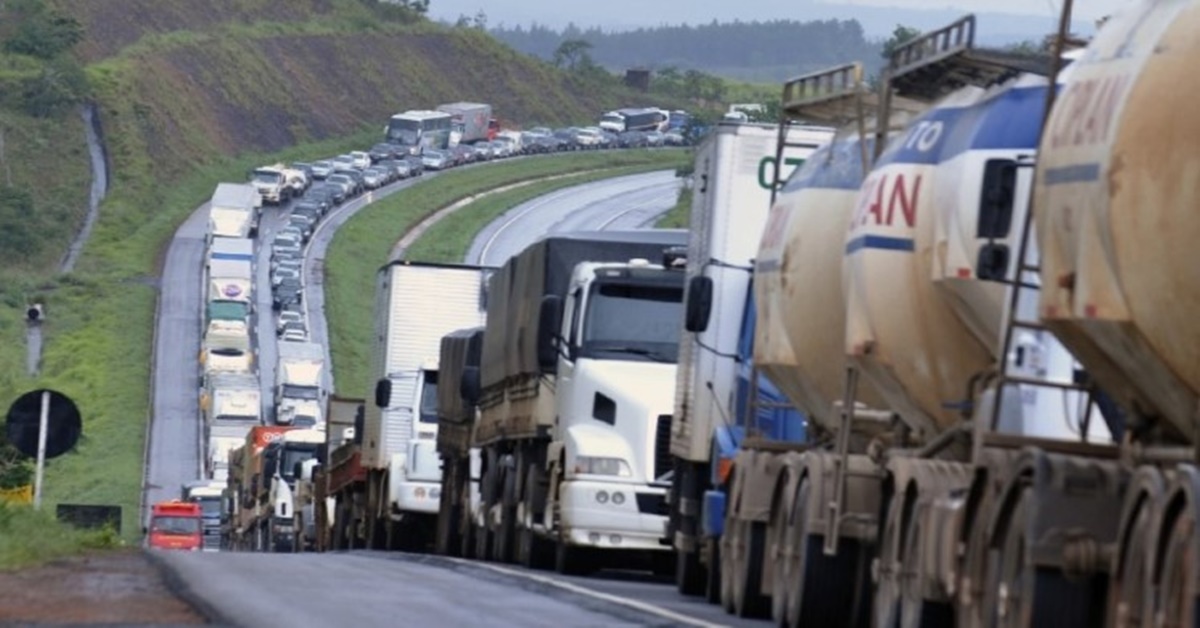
(642, 351)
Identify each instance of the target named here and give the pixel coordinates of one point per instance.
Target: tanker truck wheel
(1177, 599)
(784, 565)
(890, 564)
(1024, 595)
(726, 563)
(821, 590)
(915, 610)
(748, 600)
(1129, 588)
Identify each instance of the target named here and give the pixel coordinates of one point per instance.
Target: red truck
(176, 525)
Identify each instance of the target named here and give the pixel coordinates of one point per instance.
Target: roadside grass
(680, 214)
(29, 537)
(364, 243)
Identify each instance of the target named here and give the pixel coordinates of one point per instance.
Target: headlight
(593, 465)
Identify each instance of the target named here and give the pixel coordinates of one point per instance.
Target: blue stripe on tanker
(1011, 120)
(879, 242)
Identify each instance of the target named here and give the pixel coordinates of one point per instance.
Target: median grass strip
(680, 215)
(363, 244)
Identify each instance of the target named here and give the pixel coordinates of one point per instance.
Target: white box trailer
(234, 211)
(416, 304)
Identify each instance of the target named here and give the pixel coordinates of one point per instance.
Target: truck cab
(283, 464)
(175, 525)
(272, 185)
(614, 353)
(207, 493)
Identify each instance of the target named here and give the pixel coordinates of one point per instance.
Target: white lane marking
(530, 206)
(607, 597)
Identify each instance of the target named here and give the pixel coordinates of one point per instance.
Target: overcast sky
(632, 13)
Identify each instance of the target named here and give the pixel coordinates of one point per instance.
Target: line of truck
(935, 357)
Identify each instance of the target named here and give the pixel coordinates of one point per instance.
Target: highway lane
(621, 203)
(173, 449)
(370, 589)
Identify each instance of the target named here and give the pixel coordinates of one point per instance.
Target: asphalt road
(628, 202)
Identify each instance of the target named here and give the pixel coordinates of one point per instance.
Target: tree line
(765, 51)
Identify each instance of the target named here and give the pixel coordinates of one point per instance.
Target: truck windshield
(210, 507)
(267, 176)
(403, 131)
(633, 319)
(292, 454)
(292, 391)
(182, 526)
(429, 398)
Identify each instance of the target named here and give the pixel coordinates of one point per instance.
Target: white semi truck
(234, 211)
(230, 281)
(226, 348)
(300, 384)
(416, 304)
(576, 389)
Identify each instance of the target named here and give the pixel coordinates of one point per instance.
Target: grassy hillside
(191, 94)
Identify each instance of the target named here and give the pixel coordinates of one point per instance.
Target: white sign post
(43, 427)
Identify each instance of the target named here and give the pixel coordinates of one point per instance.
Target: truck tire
(506, 530)
(532, 550)
(823, 589)
(689, 573)
(748, 600)
(573, 561)
(712, 580)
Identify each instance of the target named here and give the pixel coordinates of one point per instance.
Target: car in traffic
(385, 150)
(303, 222)
(285, 318)
(294, 335)
(287, 293)
(436, 159)
(322, 169)
(362, 159)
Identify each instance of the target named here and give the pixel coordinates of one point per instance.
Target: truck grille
(662, 446)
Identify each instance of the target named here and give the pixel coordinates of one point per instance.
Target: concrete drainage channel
(99, 160)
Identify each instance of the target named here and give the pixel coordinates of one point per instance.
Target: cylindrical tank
(801, 318)
(1116, 199)
(920, 324)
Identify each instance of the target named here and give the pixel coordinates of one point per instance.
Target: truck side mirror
(997, 198)
(468, 387)
(298, 471)
(699, 304)
(383, 393)
(549, 323)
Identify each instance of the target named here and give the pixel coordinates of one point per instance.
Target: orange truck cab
(176, 525)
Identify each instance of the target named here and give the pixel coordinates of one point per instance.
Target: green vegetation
(680, 215)
(362, 245)
(29, 537)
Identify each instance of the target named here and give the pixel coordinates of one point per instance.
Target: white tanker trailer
(970, 477)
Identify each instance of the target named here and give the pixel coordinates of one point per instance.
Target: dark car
(351, 186)
(384, 150)
(331, 193)
(304, 222)
(357, 176)
(287, 293)
(569, 138)
(463, 154)
(416, 165)
(632, 139)
(315, 206)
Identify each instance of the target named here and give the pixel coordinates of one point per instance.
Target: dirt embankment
(111, 588)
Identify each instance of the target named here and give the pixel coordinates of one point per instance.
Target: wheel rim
(1176, 609)
(1014, 588)
(798, 540)
(887, 591)
(1128, 585)
(781, 569)
(912, 601)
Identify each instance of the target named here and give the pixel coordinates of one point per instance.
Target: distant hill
(750, 51)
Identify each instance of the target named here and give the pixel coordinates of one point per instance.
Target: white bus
(419, 129)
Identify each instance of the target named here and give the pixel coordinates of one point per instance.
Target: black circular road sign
(63, 425)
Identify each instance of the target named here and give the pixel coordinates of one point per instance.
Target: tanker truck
(575, 395)
(738, 164)
(962, 468)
